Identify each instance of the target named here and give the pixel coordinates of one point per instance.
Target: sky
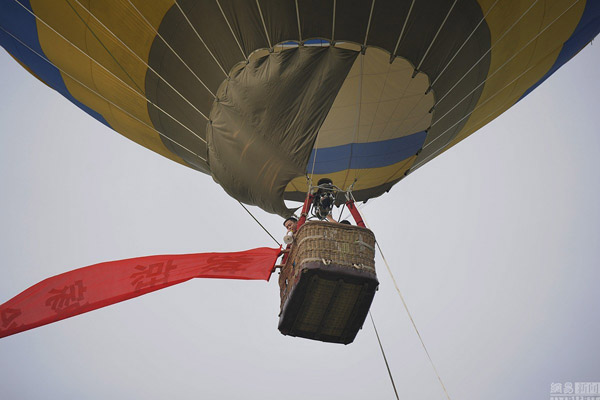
(495, 246)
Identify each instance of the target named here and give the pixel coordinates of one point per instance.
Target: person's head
(345, 222)
(290, 224)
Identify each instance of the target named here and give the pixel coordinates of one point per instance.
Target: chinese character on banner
(8, 317)
(225, 264)
(152, 274)
(555, 388)
(67, 297)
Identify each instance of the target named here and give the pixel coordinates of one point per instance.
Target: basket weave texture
(330, 243)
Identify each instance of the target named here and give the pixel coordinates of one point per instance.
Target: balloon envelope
(260, 94)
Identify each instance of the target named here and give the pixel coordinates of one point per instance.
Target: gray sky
(495, 245)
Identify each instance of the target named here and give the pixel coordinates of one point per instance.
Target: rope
(412, 321)
(124, 45)
(418, 68)
(199, 37)
(116, 106)
(464, 43)
(100, 96)
(402, 31)
(333, 22)
(231, 30)
(173, 50)
(101, 66)
(502, 66)
(258, 222)
(299, 27)
(384, 357)
(440, 149)
(486, 53)
(101, 43)
(369, 24)
(264, 26)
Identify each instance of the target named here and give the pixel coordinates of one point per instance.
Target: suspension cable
(464, 43)
(503, 65)
(199, 37)
(497, 109)
(231, 30)
(412, 321)
(101, 96)
(487, 52)
(418, 67)
(120, 108)
(173, 50)
(441, 148)
(402, 31)
(384, 357)
(258, 222)
(105, 69)
(140, 59)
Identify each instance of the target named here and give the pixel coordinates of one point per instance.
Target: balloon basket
(328, 282)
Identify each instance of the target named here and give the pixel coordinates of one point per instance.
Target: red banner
(89, 288)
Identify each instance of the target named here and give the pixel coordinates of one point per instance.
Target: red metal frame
(355, 214)
(305, 210)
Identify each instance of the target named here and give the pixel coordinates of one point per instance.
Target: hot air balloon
(269, 97)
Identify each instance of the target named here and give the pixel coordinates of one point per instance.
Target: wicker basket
(328, 282)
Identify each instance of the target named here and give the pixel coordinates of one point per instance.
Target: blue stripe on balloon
(365, 155)
(20, 23)
(587, 28)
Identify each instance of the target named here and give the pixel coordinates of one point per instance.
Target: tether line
(384, 357)
(258, 222)
(412, 321)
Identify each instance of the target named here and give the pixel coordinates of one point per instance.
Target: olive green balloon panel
(260, 94)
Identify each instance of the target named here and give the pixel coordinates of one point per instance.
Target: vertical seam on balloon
(398, 104)
(200, 37)
(436, 35)
(359, 106)
(264, 25)
(231, 30)
(369, 23)
(99, 95)
(376, 110)
(403, 28)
